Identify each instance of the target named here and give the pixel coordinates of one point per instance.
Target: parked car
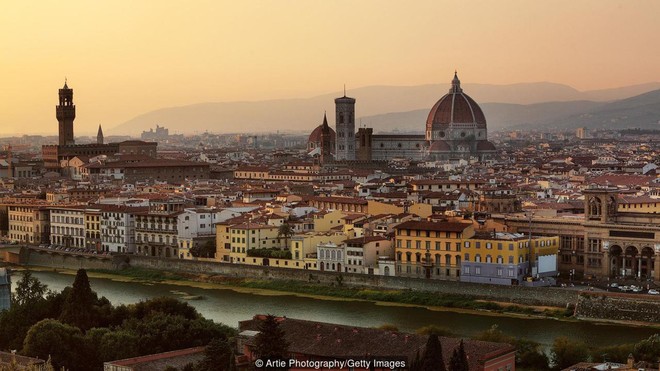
(654, 292)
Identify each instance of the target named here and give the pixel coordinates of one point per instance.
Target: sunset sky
(124, 58)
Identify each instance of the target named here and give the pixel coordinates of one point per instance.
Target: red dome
(455, 107)
(440, 146)
(315, 136)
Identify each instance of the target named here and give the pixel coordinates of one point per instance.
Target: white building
(118, 228)
(67, 226)
(331, 257)
(196, 226)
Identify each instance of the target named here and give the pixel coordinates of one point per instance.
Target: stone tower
(99, 136)
(363, 142)
(345, 128)
(66, 113)
(600, 204)
(326, 141)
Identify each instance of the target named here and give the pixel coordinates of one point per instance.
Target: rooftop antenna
(344, 90)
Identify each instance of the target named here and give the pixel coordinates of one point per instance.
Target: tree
(78, 309)
(270, 342)
(648, 349)
(529, 356)
(566, 352)
(432, 357)
(285, 230)
(29, 290)
(433, 329)
(207, 250)
(495, 335)
(218, 356)
(459, 361)
(62, 342)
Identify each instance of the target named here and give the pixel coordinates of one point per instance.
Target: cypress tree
(78, 308)
(270, 342)
(459, 361)
(432, 358)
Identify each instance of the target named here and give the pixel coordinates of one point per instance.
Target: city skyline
(124, 60)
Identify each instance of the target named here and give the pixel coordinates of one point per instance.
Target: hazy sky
(124, 58)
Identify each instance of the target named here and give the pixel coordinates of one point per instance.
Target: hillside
(517, 104)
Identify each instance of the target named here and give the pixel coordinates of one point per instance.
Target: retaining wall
(619, 307)
(547, 296)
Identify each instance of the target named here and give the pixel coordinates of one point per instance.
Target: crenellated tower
(66, 113)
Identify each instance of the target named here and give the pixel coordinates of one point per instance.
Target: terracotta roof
(320, 339)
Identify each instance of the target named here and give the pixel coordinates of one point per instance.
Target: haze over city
(127, 58)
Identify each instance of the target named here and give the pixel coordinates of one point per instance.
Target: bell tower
(600, 204)
(345, 127)
(66, 113)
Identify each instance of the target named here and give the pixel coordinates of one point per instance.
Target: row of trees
(79, 331)
(566, 352)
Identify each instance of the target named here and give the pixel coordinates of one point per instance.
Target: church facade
(455, 129)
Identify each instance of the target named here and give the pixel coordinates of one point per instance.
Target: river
(228, 306)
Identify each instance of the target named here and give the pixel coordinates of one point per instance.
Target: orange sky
(124, 58)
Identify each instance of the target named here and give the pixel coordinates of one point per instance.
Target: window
(489, 245)
(477, 270)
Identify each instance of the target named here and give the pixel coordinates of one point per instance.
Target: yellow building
(325, 221)
(430, 249)
(303, 247)
(455, 251)
(504, 258)
(93, 229)
(249, 236)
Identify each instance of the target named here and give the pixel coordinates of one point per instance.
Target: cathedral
(455, 129)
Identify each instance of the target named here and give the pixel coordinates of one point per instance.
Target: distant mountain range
(404, 108)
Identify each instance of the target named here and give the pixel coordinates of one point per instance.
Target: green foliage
(648, 350)
(434, 329)
(395, 296)
(495, 335)
(459, 361)
(29, 290)
(79, 306)
(218, 356)
(269, 253)
(285, 230)
(270, 341)
(566, 352)
(432, 357)
(64, 343)
(163, 306)
(529, 356)
(15, 322)
(528, 353)
(614, 353)
(207, 250)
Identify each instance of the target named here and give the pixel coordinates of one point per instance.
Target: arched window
(489, 259)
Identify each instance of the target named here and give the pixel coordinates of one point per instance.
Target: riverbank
(336, 292)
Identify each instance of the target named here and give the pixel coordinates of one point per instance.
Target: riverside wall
(618, 307)
(546, 296)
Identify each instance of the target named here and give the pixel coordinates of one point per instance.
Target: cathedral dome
(315, 138)
(455, 107)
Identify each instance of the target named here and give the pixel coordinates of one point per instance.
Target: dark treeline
(79, 331)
